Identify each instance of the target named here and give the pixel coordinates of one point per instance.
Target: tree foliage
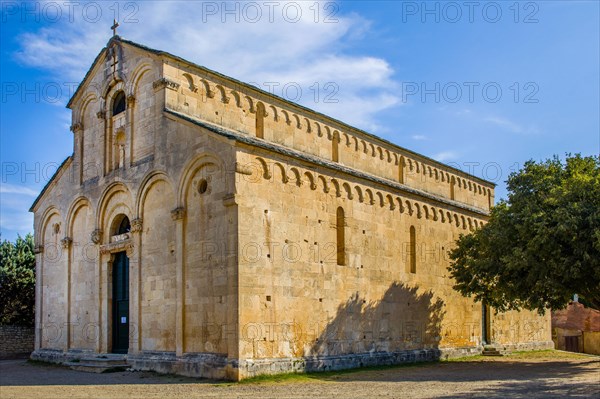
(541, 245)
(17, 281)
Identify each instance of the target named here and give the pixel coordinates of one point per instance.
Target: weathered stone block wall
(16, 341)
(520, 327)
(296, 299)
(52, 282)
(158, 294)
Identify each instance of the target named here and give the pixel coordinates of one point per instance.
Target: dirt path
(533, 375)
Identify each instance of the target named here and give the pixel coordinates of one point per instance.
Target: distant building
(576, 329)
(205, 227)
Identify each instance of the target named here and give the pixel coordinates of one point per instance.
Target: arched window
(452, 184)
(119, 103)
(260, 120)
(413, 250)
(401, 170)
(335, 156)
(121, 225)
(341, 237)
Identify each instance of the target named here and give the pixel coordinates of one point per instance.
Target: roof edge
(47, 186)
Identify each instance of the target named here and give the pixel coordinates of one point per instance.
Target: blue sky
(483, 86)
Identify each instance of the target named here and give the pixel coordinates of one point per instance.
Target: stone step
(96, 368)
(104, 360)
(489, 350)
(99, 364)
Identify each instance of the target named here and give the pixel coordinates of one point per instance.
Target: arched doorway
(120, 293)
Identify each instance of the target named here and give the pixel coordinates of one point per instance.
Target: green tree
(541, 245)
(17, 281)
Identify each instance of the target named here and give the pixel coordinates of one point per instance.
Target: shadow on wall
(402, 320)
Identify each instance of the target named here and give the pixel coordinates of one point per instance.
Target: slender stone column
(130, 127)
(178, 215)
(39, 292)
(135, 287)
(66, 245)
(96, 238)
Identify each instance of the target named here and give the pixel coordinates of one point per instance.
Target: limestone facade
(260, 236)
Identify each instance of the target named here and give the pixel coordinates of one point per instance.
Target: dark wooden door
(485, 325)
(120, 304)
(572, 344)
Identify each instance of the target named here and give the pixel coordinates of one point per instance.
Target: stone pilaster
(66, 244)
(134, 254)
(178, 215)
(39, 292)
(130, 125)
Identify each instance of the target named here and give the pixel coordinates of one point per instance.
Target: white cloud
(6, 188)
(276, 48)
(511, 126)
(445, 156)
(419, 137)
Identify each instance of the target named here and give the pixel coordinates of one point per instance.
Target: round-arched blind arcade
(119, 103)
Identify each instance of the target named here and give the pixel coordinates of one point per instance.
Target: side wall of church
(331, 265)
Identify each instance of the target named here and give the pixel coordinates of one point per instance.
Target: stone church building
(205, 227)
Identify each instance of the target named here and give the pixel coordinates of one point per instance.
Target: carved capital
(66, 242)
(130, 100)
(96, 236)
(165, 83)
(101, 115)
(38, 249)
(129, 250)
(137, 225)
(178, 213)
(76, 127)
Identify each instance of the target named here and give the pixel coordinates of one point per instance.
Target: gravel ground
(548, 374)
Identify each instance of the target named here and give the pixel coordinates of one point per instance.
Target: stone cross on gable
(113, 51)
(114, 27)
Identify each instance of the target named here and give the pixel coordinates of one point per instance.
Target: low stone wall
(524, 346)
(16, 341)
(591, 342)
